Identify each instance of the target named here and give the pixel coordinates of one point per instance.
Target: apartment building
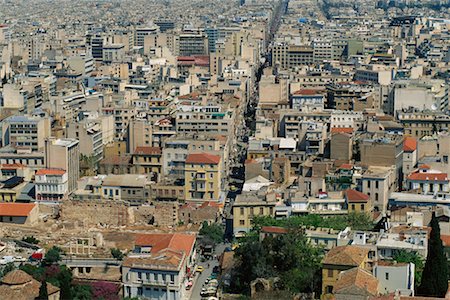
(25, 132)
(159, 265)
(64, 154)
(90, 136)
(51, 184)
(290, 56)
(203, 177)
(205, 122)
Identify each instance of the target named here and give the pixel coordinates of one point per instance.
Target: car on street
(199, 269)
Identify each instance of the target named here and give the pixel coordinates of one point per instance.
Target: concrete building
(25, 132)
(395, 277)
(378, 183)
(90, 136)
(51, 185)
(308, 100)
(64, 154)
(203, 177)
(248, 205)
(139, 134)
(131, 188)
(290, 56)
(158, 266)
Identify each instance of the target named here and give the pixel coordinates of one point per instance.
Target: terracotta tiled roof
(16, 277)
(428, 176)
(424, 167)
(356, 196)
(50, 172)
(162, 241)
(203, 158)
(147, 150)
(409, 144)
(358, 278)
(273, 229)
(346, 256)
(346, 167)
(16, 209)
(19, 285)
(308, 92)
(348, 130)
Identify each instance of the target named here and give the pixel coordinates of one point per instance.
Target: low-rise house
(428, 181)
(340, 259)
(395, 277)
(131, 188)
(357, 202)
(355, 284)
(159, 266)
(51, 184)
(19, 213)
(19, 285)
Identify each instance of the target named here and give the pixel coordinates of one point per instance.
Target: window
(241, 222)
(172, 278)
(368, 184)
(353, 206)
(242, 211)
(362, 207)
(261, 210)
(386, 276)
(376, 184)
(139, 275)
(139, 291)
(147, 276)
(376, 196)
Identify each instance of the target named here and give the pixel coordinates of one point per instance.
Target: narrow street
(201, 277)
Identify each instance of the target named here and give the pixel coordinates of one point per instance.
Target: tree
(116, 253)
(53, 255)
(213, 231)
(81, 292)
(7, 268)
(30, 240)
(435, 274)
(104, 290)
(289, 256)
(43, 292)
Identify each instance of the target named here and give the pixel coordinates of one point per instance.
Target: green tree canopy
(116, 253)
(43, 292)
(53, 255)
(435, 274)
(213, 231)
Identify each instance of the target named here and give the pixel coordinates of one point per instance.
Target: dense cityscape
(236, 149)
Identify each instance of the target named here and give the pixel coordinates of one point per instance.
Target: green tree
(434, 276)
(65, 282)
(213, 231)
(81, 292)
(7, 268)
(289, 256)
(43, 292)
(403, 256)
(30, 240)
(116, 253)
(53, 255)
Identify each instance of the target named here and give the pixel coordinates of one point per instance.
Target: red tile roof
(424, 167)
(162, 241)
(50, 172)
(12, 166)
(16, 209)
(428, 176)
(342, 130)
(308, 92)
(346, 256)
(346, 167)
(203, 158)
(355, 196)
(273, 229)
(409, 144)
(147, 150)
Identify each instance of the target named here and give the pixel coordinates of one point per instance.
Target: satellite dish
(434, 106)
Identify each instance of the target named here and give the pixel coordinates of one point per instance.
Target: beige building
(272, 93)
(25, 132)
(248, 205)
(139, 134)
(64, 154)
(378, 183)
(203, 177)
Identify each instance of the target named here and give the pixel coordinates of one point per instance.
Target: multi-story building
(64, 154)
(378, 183)
(25, 132)
(51, 184)
(159, 265)
(203, 177)
(148, 160)
(291, 56)
(90, 136)
(187, 44)
(351, 96)
(205, 122)
(247, 206)
(131, 188)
